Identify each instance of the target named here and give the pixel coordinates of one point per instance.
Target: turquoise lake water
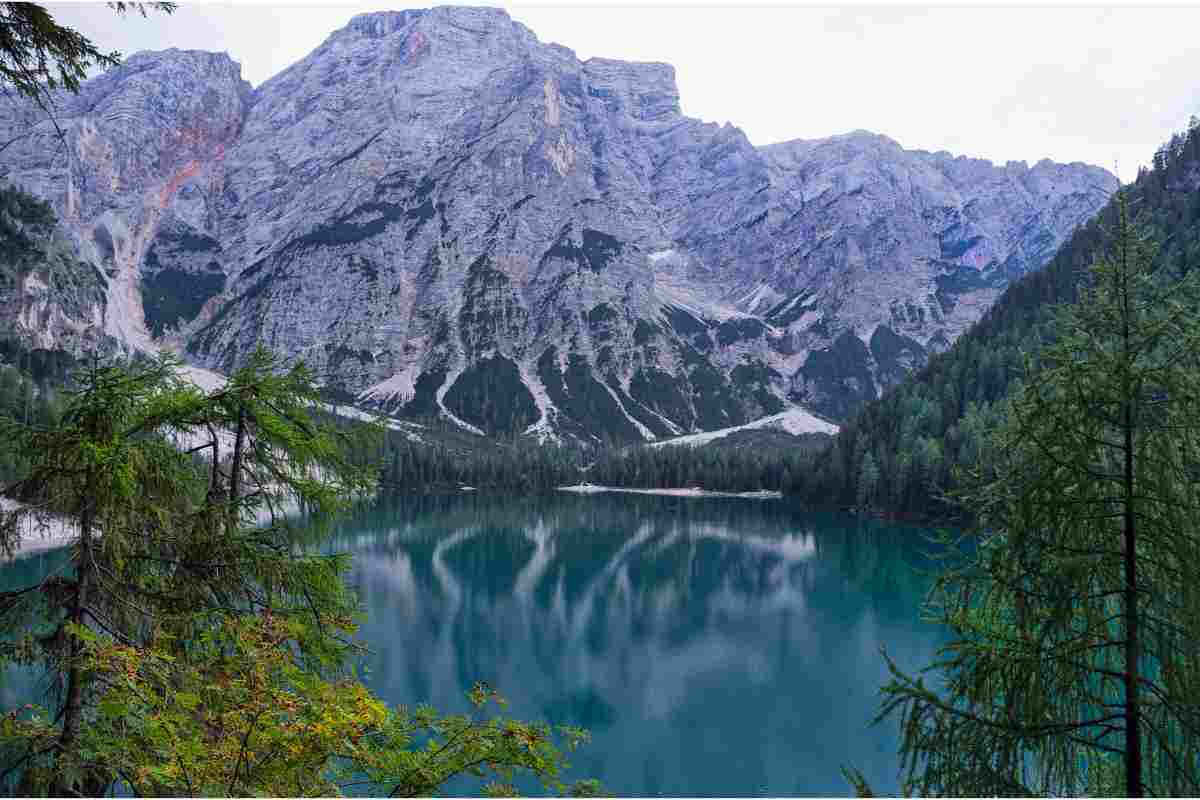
(712, 646)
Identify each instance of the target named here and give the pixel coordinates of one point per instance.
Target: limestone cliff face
(142, 151)
(904, 250)
(444, 215)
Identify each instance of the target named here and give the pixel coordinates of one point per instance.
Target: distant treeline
(409, 466)
(440, 457)
(709, 467)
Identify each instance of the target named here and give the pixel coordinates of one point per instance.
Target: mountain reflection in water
(711, 646)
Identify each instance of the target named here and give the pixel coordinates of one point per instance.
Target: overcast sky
(1071, 84)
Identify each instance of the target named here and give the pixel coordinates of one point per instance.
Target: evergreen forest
(904, 453)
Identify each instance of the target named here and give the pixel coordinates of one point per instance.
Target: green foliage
(424, 399)
(595, 252)
(30, 244)
(491, 395)
(32, 402)
(1075, 663)
(32, 247)
(201, 643)
(739, 329)
(234, 712)
(664, 393)
(601, 319)
(443, 458)
(654, 423)
(25, 222)
(174, 296)
(644, 331)
(375, 217)
(688, 325)
(715, 468)
(438, 457)
(712, 398)
(958, 396)
(581, 397)
(755, 379)
(839, 377)
(491, 309)
(895, 355)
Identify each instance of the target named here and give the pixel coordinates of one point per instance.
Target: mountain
(445, 216)
(48, 297)
(900, 453)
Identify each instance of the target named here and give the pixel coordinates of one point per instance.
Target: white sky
(1071, 84)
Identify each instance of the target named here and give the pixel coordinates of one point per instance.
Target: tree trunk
(1133, 738)
(1133, 722)
(1133, 733)
(73, 707)
(235, 474)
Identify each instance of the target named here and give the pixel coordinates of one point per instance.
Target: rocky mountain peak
(445, 216)
(208, 62)
(378, 24)
(861, 137)
(645, 90)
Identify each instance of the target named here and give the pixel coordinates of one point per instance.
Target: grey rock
(49, 299)
(144, 144)
(444, 215)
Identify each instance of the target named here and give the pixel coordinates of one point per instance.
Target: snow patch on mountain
(543, 429)
(794, 421)
(646, 433)
(400, 387)
(672, 294)
(451, 377)
(759, 299)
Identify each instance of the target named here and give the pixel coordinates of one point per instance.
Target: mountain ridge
(446, 216)
(908, 452)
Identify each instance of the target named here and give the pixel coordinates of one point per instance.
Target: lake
(712, 646)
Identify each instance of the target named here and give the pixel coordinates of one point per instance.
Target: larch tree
(1074, 604)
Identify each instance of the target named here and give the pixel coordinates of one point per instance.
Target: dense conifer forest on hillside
(901, 453)
(440, 457)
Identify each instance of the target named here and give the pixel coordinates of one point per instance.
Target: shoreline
(695, 491)
(40, 532)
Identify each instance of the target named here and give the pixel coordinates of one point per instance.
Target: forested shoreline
(453, 460)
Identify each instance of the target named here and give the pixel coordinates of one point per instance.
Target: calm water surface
(711, 646)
